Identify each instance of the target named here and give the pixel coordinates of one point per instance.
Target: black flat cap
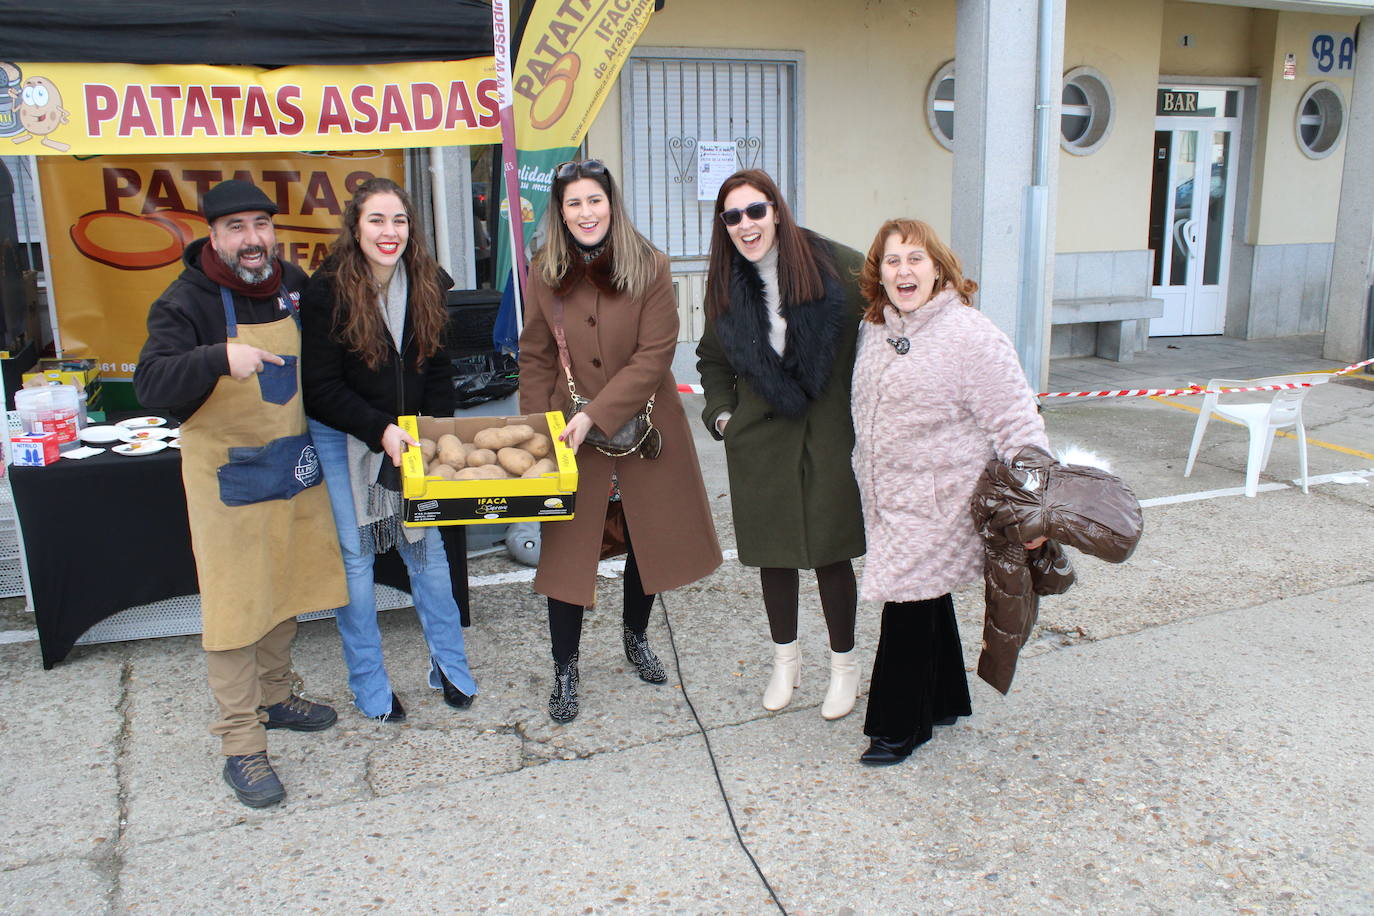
(234, 196)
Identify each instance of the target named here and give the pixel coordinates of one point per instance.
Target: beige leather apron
(265, 555)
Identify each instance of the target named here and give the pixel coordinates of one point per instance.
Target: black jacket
(340, 391)
(184, 355)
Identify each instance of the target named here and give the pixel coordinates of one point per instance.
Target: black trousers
(839, 602)
(565, 620)
(918, 673)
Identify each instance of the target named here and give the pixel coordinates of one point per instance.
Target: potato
(479, 457)
(452, 451)
(485, 472)
(499, 437)
(539, 445)
(445, 471)
(429, 448)
(515, 460)
(540, 468)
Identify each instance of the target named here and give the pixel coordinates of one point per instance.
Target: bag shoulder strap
(562, 342)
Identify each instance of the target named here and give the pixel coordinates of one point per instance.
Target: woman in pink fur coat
(937, 392)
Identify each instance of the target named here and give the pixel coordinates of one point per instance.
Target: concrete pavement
(1188, 732)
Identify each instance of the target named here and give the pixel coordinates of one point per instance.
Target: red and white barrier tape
(1191, 389)
(1141, 392)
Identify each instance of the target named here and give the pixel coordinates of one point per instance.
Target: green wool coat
(792, 489)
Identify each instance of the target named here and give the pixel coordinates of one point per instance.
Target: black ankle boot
(884, 752)
(638, 653)
(563, 701)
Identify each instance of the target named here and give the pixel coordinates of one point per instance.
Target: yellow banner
(570, 55)
(116, 229)
(94, 109)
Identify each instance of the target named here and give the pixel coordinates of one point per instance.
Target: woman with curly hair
(937, 392)
(372, 320)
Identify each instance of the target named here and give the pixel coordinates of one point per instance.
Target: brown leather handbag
(638, 434)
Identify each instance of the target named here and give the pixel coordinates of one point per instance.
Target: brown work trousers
(246, 680)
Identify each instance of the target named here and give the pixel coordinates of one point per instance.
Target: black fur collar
(789, 383)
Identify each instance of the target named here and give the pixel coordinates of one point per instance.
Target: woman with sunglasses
(372, 318)
(782, 314)
(938, 391)
(608, 292)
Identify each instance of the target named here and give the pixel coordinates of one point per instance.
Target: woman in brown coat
(619, 318)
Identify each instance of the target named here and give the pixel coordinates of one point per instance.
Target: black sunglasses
(579, 169)
(755, 211)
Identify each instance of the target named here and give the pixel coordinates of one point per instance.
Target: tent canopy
(264, 33)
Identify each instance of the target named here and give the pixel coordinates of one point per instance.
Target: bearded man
(223, 356)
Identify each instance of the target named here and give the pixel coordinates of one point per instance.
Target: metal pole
(1030, 331)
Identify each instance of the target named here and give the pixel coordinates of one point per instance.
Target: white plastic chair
(1262, 419)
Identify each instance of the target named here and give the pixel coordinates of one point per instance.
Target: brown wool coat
(622, 352)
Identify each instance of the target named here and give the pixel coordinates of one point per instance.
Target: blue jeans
(430, 588)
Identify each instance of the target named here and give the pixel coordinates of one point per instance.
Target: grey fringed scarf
(378, 509)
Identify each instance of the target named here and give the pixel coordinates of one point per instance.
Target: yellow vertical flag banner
(117, 226)
(570, 56)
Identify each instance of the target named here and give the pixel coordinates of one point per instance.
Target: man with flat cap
(223, 356)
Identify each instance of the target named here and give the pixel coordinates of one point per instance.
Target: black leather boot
(563, 701)
(883, 752)
(638, 653)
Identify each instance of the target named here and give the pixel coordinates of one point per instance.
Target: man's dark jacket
(184, 356)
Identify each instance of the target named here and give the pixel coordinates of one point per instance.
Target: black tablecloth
(110, 532)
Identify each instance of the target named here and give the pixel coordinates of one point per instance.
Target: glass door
(1191, 208)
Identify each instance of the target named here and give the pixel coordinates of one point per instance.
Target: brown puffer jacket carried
(1075, 505)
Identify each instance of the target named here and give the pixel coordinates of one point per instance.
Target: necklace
(900, 344)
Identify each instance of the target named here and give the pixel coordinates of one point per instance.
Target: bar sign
(1176, 102)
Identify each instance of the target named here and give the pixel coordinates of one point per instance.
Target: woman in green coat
(782, 316)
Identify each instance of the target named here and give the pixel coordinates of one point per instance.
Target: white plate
(147, 447)
(137, 422)
(101, 435)
(144, 434)
(174, 443)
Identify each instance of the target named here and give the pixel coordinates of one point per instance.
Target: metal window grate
(673, 104)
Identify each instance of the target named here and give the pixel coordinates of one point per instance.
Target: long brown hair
(634, 258)
(800, 277)
(358, 321)
(948, 270)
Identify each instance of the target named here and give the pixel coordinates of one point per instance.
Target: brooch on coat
(900, 344)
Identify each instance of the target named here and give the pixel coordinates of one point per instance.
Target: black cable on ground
(724, 796)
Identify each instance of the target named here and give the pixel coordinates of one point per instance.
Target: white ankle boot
(786, 676)
(844, 685)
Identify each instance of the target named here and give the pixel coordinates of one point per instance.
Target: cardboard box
(429, 501)
(83, 373)
(34, 450)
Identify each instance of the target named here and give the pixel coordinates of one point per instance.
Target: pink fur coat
(926, 422)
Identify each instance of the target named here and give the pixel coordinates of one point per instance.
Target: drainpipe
(1030, 331)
